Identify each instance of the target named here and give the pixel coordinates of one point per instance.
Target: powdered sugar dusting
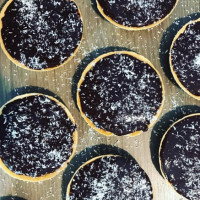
(185, 55)
(111, 177)
(197, 62)
(121, 94)
(137, 13)
(180, 156)
(36, 136)
(43, 34)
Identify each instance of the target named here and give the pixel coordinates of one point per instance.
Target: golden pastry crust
(63, 166)
(134, 28)
(87, 163)
(160, 148)
(16, 62)
(88, 68)
(182, 30)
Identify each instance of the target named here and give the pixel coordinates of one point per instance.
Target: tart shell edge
(63, 166)
(16, 62)
(182, 30)
(83, 165)
(160, 148)
(87, 163)
(134, 28)
(87, 69)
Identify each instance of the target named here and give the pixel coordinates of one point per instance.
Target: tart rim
(181, 31)
(64, 165)
(160, 149)
(134, 28)
(87, 69)
(16, 62)
(91, 161)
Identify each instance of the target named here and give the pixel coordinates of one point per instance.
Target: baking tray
(101, 36)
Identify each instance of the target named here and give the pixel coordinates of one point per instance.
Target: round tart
(185, 58)
(180, 156)
(110, 177)
(120, 93)
(136, 14)
(40, 35)
(37, 137)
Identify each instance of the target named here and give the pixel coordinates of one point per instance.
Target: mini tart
(110, 177)
(40, 35)
(38, 137)
(179, 156)
(185, 58)
(120, 93)
(136, 14)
